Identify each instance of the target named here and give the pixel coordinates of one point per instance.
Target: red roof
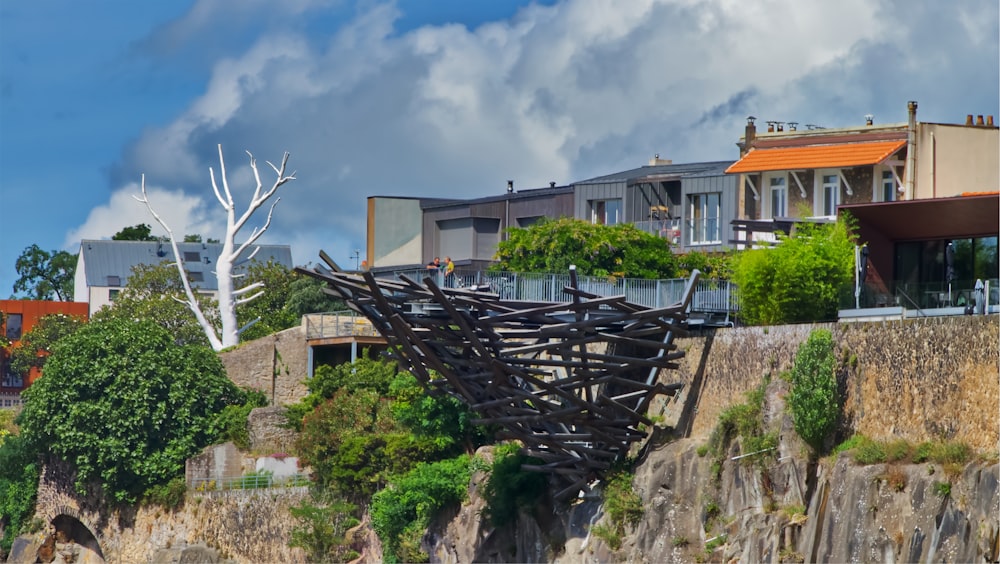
(816, 156)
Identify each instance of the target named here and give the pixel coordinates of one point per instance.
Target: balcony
(669, 229)
(911, 300)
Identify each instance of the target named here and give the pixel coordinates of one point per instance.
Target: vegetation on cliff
(814, 402)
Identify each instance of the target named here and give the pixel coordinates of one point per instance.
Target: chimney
(770, 126)
(869, 119)
(911, 150)
(510, 186)
(781, 126)
(989, 121)
(979, 120)
(750, 135)
(968, 119)
(793, 126)
(552, 184)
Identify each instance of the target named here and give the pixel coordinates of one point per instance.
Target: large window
(924, 275)
(777, 188)
(887, 187)
(703, 222)
(827, 193)
(606, 212)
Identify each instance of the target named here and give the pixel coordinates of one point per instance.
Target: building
(689, 204)
(104, 267)
(792, 173)
(19, 317)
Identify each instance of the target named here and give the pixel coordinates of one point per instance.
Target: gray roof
(518, 195)
(686, 170)
(104, 259)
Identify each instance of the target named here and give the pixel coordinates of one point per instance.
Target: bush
(19, 473)
(510, 489)
(233, 419)
(813, 400)
(409, 503)
(801, 279)
(169, 495)
(321, 530)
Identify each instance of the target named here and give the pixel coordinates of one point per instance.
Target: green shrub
(169, 495)
(510, 489)
(19, 473)
(609, 534)
(942, 489)
(409, 503)
(813, 400)
(321, 530)
(897, 450)
(621, 503)
(232, 420)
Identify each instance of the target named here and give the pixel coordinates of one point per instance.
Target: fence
(338, 324)
(255, 481)
(711, 296)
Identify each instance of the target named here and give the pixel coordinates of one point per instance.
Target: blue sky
(444, 98)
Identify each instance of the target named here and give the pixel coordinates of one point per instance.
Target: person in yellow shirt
(449, 273)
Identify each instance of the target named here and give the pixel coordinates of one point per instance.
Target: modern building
(18, 317)
(104, 267)
(688, 204)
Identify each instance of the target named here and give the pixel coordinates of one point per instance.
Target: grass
(868, 451)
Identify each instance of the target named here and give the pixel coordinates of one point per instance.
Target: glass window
(192, 256)
(13, 326)
(605, 212)
(888, 186)
(113, 294)
(12, 379)
(704, 218)
(778, 188)
(831, 194)
(196, 276)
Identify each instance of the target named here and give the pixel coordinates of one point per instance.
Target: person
(434, 265)
(449, 273)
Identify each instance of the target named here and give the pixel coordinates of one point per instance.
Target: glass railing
(932, 295)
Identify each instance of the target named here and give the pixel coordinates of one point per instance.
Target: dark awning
(959, 217)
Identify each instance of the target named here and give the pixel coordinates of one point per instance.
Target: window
(704, 218)
(113, 294)
(12, 379)
(605, 212)
(13, 326)
(888, 186)
(196, 276)
(114, 280)
(828, 194)
(777, 196)
(192, 256)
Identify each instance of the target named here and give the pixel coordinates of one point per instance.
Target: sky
(442, 98)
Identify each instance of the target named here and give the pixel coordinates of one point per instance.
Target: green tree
(598, 250)
(285, 298)
(814, 400)
(153, 293)
(140, 232)
(19, 473)
(321, 530)
(801, 279)
(37, 343)
(45, 274)
(126, 406)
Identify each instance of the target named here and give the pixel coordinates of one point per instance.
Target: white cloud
(185, 214)
(562, 93)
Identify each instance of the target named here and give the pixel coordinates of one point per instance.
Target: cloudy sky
(445, 98)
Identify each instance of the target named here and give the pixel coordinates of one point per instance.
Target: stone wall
(242, 525)
(921, 379)
(276, 365)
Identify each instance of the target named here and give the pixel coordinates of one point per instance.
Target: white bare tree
(229, 296)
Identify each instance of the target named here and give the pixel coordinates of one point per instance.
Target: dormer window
(114, 280)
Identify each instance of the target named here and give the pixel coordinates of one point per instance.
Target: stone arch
(70, 528)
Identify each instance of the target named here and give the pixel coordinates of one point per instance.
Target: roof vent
(510, 186)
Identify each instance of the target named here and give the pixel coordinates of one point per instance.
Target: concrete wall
(276, 365)
(918, 379)
(952, 159)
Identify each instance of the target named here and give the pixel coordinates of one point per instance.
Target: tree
(599, 250)
(126, 406)
(229, 296)
(140, 232)
(801, 279)
(44, 274)
(268, 313)
(155, 293)
(38, 343)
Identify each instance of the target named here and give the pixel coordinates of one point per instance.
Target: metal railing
(256, 481)
(925, 296)
(715, 296)
(338, 324)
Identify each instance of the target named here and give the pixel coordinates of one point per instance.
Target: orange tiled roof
(816, 156)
